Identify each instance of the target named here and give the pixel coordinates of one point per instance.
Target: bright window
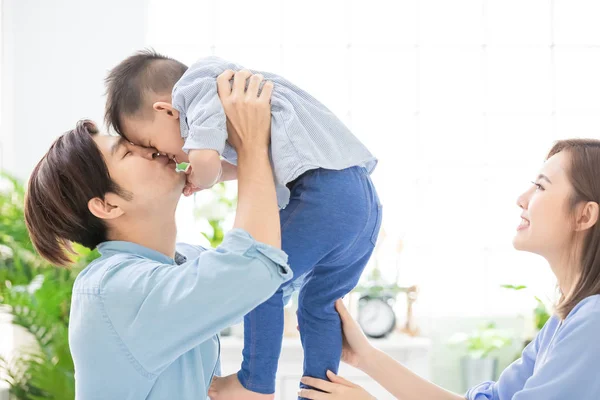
(468, 95)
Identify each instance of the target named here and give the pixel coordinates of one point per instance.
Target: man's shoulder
(109, 269)
(189, 250)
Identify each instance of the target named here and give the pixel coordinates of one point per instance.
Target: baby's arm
(195, 95)
(206, 170)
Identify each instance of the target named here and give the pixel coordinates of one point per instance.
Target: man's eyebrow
(115, 146)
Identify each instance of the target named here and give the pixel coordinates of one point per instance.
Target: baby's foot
(230, 388)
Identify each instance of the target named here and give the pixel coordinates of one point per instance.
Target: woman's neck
(566, 269)
(155, 234)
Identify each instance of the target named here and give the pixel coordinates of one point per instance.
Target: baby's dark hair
(145, 72)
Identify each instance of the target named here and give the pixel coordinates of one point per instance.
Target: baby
(330, 212)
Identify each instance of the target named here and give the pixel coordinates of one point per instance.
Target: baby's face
(160, 133)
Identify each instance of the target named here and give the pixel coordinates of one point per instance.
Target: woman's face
(152, 180)
(547, 225)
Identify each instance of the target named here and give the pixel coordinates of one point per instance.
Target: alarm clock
(376, 316)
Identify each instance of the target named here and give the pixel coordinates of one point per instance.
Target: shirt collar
(117, 246)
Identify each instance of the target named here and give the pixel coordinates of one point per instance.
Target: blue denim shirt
(144, 326)
(305, 134)
(561, 363)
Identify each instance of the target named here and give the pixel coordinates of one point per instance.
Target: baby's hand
(190, 188)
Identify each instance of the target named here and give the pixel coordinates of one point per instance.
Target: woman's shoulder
(587, 309)
(584, 319)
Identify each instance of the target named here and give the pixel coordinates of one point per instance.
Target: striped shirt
(305, 134)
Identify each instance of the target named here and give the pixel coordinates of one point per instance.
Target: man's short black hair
(128, 83)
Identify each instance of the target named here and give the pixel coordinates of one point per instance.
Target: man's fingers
(223, 85)
(267, 91)
(252, 91)
(239, 82)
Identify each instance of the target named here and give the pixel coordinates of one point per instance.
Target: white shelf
(411, 352)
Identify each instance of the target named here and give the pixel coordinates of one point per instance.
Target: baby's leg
(352, 241)
(263, 327)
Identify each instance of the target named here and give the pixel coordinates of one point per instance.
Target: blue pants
(329, 230)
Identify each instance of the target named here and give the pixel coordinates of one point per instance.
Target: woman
(145, 315)
(560, 223)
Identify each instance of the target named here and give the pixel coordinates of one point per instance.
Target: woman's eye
(538, 186)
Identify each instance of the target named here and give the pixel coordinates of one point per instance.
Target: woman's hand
(337, 389)
(248, 114)
(356, 348)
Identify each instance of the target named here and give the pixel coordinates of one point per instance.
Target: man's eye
(126, 154)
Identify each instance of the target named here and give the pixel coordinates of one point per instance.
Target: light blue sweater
(144, 326)
(562, 363)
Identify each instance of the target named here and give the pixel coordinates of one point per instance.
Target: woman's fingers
(338, 379)
(239, 82)
(223, 83)
(318, 384)
(342, 310)
(313, 394)
(252, 91)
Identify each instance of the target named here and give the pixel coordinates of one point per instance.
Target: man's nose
(147, 153)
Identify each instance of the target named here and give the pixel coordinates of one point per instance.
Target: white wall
(55, 57)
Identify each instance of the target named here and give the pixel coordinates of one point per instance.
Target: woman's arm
(394, 377)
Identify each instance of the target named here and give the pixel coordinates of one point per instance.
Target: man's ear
(167, 108)
(105, 209)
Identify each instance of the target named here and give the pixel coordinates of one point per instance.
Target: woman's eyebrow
(544, 177)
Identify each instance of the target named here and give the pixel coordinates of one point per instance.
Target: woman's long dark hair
(584, 175)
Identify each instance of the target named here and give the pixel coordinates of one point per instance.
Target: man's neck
(148, 232)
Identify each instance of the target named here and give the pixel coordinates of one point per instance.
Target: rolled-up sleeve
(484, 391)
(174, 308)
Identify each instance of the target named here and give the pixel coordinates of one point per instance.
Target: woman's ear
(103, 209)
(588, 217)
(167, 108)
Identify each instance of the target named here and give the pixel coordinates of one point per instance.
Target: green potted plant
(541, 314)
(215, 206)
(480, 363)
(37, 296)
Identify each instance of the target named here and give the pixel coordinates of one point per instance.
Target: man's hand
(248, 114)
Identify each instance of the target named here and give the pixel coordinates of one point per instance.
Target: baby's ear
(167, 108)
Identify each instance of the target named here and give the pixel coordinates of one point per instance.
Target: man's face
(152, 181)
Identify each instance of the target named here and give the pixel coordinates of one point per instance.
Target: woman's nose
(523, 200)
